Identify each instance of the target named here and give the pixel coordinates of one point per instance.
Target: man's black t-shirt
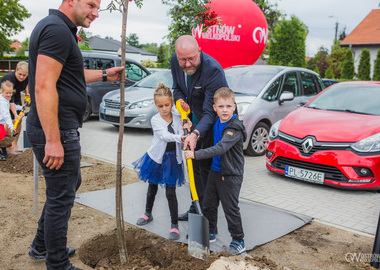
(17, 86)
(55, 37)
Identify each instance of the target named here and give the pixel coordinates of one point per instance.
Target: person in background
(162, 163)
(19, 78)
(196, 77)
(6, 124)
(227, 169)
(57, 84)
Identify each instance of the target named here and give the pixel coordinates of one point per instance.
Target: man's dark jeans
(61, 186)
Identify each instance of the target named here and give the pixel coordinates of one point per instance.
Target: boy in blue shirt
(226, 174)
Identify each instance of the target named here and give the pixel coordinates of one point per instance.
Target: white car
(139, 103)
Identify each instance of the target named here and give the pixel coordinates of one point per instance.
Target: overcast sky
(151, 22)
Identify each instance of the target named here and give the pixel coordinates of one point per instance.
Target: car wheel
(88, 111)
(258, 141)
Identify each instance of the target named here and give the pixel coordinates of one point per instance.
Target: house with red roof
(365, 36)
(17, 45)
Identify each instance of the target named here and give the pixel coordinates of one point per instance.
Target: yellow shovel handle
(193, 190)
(189, 162)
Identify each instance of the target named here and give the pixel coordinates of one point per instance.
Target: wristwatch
(197, 134)
(104, 75)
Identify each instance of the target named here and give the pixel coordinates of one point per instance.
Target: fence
(5, 70)
(9, 64)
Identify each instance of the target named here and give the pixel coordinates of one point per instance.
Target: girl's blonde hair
(6, 85)
(162, 91)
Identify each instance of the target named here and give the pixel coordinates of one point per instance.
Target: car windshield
(250, 80)
(155, 78)
(362, 99)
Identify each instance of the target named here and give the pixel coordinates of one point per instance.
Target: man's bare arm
(113, 74)
(48, 71)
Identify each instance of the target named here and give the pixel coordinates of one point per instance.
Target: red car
(333, 140)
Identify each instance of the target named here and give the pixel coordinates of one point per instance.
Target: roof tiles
(367, 31)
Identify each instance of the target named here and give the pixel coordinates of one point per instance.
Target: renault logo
(307, 145)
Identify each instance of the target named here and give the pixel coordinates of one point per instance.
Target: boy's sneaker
(212, 238)
(237, 247)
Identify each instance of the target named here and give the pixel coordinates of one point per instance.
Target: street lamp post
(336, 27)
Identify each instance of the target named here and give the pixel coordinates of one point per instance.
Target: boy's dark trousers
(225, 189)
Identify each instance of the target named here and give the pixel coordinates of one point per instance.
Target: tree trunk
(119, 198)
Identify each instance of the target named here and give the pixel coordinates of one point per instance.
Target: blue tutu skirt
(169, 173)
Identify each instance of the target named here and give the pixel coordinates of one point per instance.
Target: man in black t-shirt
(19, 78)
(57, 84)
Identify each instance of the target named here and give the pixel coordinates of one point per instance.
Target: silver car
(266, 94)
(139, 103)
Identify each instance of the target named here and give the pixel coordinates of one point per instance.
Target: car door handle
(115, 83)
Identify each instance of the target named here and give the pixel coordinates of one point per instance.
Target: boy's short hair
(5, 85)
(224, 92)
(22, 65)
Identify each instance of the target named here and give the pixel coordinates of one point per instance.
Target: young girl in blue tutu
(162, 163)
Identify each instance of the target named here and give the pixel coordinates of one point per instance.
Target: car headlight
(242, 107)
(273, 132)
(369, 144)
(141, 104)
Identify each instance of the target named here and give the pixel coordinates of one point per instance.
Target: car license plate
(305, 175)
(111, 112)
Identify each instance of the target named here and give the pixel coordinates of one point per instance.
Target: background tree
(150, 47)
(338, 54)
(316, 70)
(186, 14)
(24, 47)
(12, 13)
(322, 60)
(310, 64)
(288, 44)
(182, 14)
(342, 34)
(376, 69)
(348, 68)
(364, 69)
(271, 13)
(133, 40)
(162, 56)
(329, 74)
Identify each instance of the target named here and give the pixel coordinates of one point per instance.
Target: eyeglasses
(190, 59)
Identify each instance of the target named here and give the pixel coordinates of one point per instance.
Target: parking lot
(353, 210)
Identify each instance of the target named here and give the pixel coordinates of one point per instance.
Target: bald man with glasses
(196, 77)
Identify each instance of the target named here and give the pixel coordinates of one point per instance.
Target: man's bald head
(186, 42)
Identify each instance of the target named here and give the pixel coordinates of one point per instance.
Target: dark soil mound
(145, 251)
(20, 163)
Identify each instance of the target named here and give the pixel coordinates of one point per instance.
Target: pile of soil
(92, 233)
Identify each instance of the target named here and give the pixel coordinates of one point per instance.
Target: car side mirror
(286, 96)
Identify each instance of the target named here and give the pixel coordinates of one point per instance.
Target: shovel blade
(199, 242)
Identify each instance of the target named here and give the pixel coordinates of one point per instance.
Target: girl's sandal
(174, 234)
(144, 219)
